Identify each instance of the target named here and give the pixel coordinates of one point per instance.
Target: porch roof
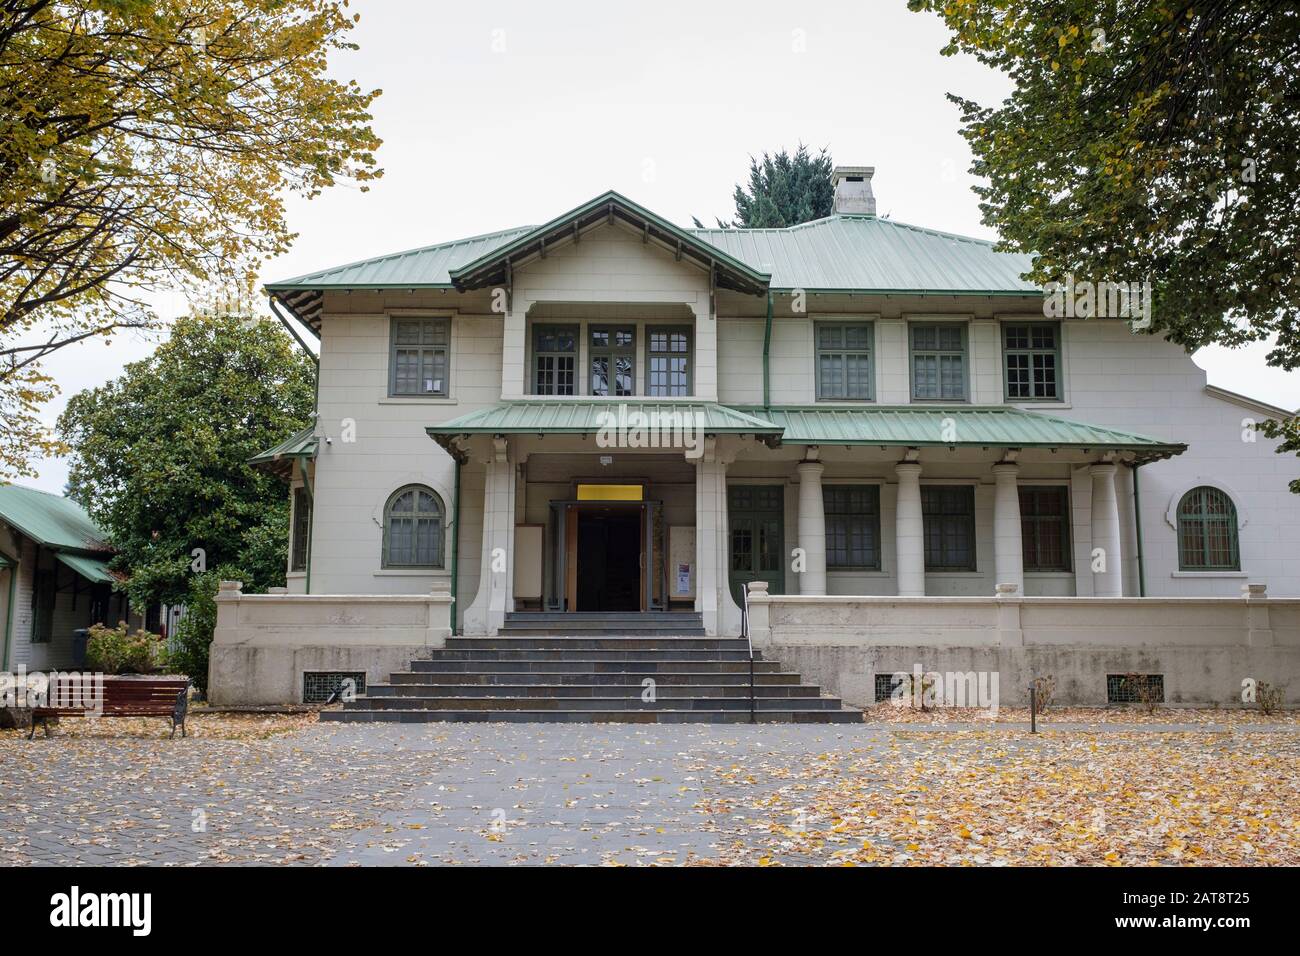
(51, 520)
(916, 426)
(92, 569)
(279, 458)
(582, 416)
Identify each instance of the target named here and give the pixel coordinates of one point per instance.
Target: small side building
(54, 579)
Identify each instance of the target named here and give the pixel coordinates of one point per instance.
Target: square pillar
(514, 350)
(495, 597)
(1008, 549)
(713, 598)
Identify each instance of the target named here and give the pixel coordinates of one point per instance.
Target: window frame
(537, 354)
(651, 354)
(394, 347)
(913, 352)
(610, 353)
(872, 517)
(1204, 518)
(386, 561)
(1034, 567)
(968, 517)
(843, 352)
(300, 536)
(1056, 352)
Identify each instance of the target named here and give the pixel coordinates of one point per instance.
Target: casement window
(938, 361)
(301, 533)
(948, 513)
(1045, 527)
(668, 360)
(1031, 359)
(418, 362)
(844, 361)
(555, 359)
(612, 352)
(1207, 531)
(44, 593)
(413, 520)
(852, 527)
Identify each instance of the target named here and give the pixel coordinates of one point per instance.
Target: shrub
(189, 653)
(1268, 697)
(1146, 690)
(1044, 690)
(114, 650)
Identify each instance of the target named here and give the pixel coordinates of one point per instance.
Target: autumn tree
(148, 145)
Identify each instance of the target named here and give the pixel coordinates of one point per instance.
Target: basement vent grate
(317, 686)
(885, 686)
(1135, 688)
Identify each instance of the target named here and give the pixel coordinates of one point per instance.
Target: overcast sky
(502, 114)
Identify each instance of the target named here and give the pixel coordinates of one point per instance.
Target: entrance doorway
(609, 559)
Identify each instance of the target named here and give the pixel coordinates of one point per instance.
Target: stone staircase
(593, 668)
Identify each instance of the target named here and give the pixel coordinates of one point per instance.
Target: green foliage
(1150, 140)
(160, 454)
(113, 650)
(785, 190)
(1288, 429)
(149, 146)
(193, 637)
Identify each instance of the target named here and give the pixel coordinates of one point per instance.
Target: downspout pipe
(767, 352)
(302, 462)
(455, 548)
(1137, 522)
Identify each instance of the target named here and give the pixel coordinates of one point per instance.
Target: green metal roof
(5, 562)
(581, 416)
(91, 569)
(54, 521)
(301, 445)
(869, 254)
(917, 426)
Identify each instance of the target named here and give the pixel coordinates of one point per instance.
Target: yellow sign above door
(610, 492)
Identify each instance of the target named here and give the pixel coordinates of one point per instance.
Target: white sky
(503, 114)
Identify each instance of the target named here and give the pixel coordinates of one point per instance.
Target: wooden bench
(122, 697)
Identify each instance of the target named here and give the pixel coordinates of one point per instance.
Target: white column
(496, 567)
(1108, 582)
(514, 377)
(1008, 553)
(909, 531)
(812, 528)
(713, 597)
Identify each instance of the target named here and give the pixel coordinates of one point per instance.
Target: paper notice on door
(683, 579)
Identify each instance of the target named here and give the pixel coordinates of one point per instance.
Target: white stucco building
(882, 424)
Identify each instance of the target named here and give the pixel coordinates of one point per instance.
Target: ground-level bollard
(1033, 709)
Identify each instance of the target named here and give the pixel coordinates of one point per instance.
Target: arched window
(413, 528)
(1207, 531)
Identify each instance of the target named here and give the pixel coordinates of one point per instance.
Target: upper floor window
(1031, 356)
(948, 513)
(938, 361)
(418, 361)
(613, 360)
(844, 366)
(301, 533)
(1207, 531)
(668, 360)
(852, 527)
(1045, 527)
(413, 528)
(555, 359)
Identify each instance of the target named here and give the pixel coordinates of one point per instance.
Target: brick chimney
(853, 194)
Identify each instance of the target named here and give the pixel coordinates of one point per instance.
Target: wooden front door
(755, 526)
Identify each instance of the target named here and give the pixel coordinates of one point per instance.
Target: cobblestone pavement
(345, 794)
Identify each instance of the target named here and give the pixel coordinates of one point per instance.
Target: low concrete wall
(265, 642)
(1204, 647)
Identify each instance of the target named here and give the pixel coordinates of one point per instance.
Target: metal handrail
(744, 630)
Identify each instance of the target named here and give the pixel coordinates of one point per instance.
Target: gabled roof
(56, 522)
(841, 253)
(953, 426)
(866, 254)
(493, 267)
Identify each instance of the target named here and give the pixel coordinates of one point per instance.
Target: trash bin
(79, 639)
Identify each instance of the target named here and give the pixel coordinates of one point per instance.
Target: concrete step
(618, 690)
(594, 716)
(593, 654)
(610, 643)
(591, 703)
(690, 618)
(600, 630)
(544, 677)
(641, 666)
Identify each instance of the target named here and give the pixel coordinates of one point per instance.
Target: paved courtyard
(292, 791)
